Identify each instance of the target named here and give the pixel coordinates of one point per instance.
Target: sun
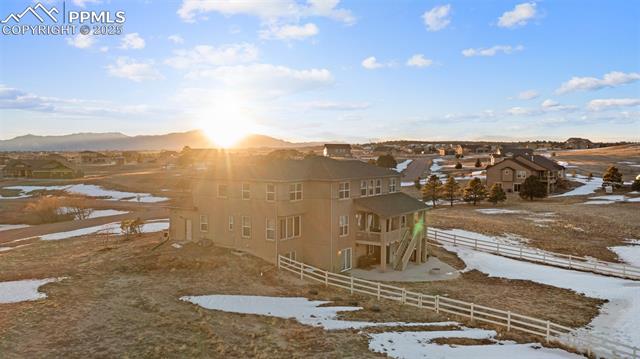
(226, 122)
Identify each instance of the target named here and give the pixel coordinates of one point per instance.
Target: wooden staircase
(405, 249)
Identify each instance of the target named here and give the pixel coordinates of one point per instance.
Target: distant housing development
(325, 212)
(337, 150)
(40, 168)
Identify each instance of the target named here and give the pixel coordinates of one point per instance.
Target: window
(290, 227)
(223, 190)
(522, 174)
(295, 191)
(345, 259)
(246, 191)
(344, 226)
(230, 223)
(378, 186)
(271, 229)
(370, 188)
(204, 223)
(363, 188)
(516, 187)
(392, 185)
(403, 221)
(246, 227)
(344, 190)
(291, 255)
(271, 192)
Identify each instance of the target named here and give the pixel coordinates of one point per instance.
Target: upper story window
(392, 185)
(363, 188)
(344, 226)
(378, 186)
(204, 223)
(271, 192)
(223, 191)
(246, 191)
(522, 174)
(344, 190)
(295, 191)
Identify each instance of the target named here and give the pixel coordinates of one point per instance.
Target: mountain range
(119, 141)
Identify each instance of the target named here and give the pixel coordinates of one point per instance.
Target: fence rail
(594, 346)
(536, 255)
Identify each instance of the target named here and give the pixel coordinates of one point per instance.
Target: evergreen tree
(416, 183)
(450, 190)
(458, 165)
(474, 191)
(431, 190)
(478, 163)
(613, 176)
(635, 186)
(496, 194)
(533, 188)
(386, 161)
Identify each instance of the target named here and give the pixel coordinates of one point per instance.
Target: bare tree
(78, 208)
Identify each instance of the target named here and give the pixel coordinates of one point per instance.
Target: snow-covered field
(618, 319)
(630, 254)
(413, 345)
(612, 198)
(540, 219)
(402, 165)
(23, 290)
(436, 167)
(90, 190)
(6, 227)
(588, 186)
(112, 228)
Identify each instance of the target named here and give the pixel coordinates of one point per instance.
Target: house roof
(310, 168)
(41, 164)
(533, 162)
(337, 145)
(392, 204)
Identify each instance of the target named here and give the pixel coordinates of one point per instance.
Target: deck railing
(593, 345)
(521, 252)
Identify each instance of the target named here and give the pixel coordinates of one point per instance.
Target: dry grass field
(596, 161)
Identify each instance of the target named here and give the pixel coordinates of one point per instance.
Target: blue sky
(329, 70)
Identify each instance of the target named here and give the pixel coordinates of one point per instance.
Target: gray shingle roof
(310, 168)
(392, 204)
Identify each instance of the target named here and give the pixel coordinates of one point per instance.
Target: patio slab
(414, 273)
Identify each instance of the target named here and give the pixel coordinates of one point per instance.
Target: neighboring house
(503, 152)
(41, 168)
(472, 149)
(511, 172)
(324, 212)
(446, 151)
(576, 143)
(337, 150)
(92, 157)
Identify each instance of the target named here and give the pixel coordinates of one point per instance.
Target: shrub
(47, 209)
(478, 164)
(613, 176)
(386, 161)
(458, 165)
(635, 186)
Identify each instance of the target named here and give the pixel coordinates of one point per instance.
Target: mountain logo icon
(33, 10)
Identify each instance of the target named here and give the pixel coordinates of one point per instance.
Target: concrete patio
(432, 270)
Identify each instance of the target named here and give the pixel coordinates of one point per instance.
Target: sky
(332, 70)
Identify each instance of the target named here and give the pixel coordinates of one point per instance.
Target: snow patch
(402, 165)
(90, 190)
(23, 290)
(6, 227)
(111, 228)
(588, 186)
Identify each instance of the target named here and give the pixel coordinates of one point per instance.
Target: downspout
(277, 224)
(331, 223)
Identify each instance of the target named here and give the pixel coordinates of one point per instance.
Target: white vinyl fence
(597, 346)
(536, 255)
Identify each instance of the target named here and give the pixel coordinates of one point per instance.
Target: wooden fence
(596, 346)
(536, 255)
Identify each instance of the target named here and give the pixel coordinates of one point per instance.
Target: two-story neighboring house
(319, 210)
(337, 150)
(511, 172)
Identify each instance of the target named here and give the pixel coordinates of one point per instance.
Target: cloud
(269, 11)
(203, 56)
(551, 105)
(337, 106)
(601, 104)
(266, 80)
(528, 95)
(289, 32)
(81, 41)
(176, 39)
(83, 3)
(519, 16)
(132, 41)
(437, 18)
(521, 111)
(611, 79)
(133, 70)
(104, 49)
(371, 63)
(418, 60)
(492, 51)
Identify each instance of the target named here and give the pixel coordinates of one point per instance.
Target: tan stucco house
(511, 172)
(328, 213)
(337, 150)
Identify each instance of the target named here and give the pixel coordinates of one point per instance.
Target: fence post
(624, 270)
(454, 239)
(498, 247)
(352, 285)
(544, 257)
(520, 252)
(279, 259)
(508, 320)
(570, 261)
(476, 245)
(404, 295)
(548, 330)
(472, 312)
(378, 290)
(326, 278)
(301, 271)
(420, 300)
(437, 303)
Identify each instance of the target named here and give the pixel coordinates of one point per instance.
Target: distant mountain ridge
(119, 141)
